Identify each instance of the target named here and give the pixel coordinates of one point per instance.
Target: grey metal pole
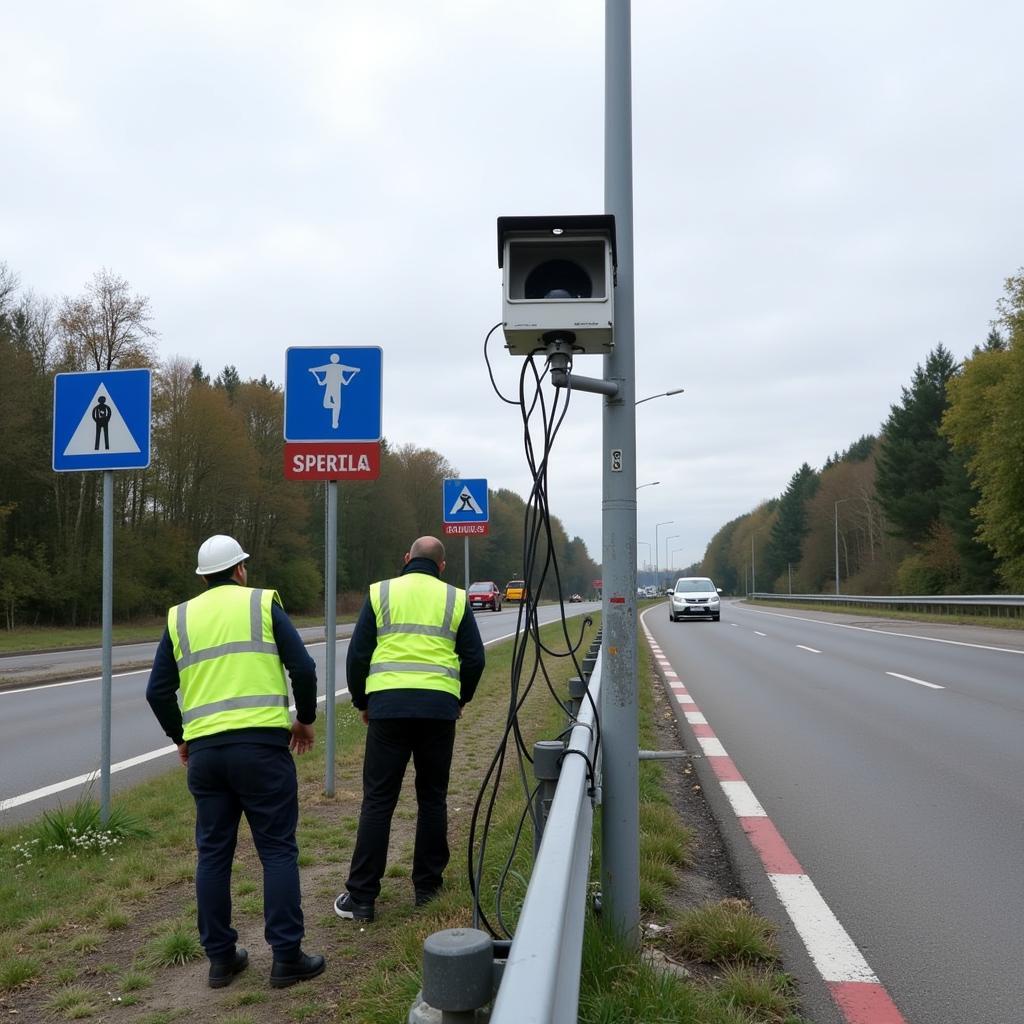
(835, 520)
(620, 819)
(753, 576)
(331, 627)
(466, 539)
(108, 632)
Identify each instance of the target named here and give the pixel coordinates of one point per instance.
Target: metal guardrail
(541, 980)
(1000, 604)
(535, 979)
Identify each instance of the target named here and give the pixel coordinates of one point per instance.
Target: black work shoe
(288, 972)
(222, 972)
(346, 906)
(425, 896)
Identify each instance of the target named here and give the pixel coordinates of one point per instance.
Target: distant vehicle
(694, 597)
(485, 595)
(515, 590)
(575, 598)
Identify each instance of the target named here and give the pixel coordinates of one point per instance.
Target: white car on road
(694, 596)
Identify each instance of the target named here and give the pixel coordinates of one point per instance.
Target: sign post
(101, 421)
(465, 510)
(332, 432)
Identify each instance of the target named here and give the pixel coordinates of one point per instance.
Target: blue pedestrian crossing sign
(332, 393)
(101, 420)
(465, 501)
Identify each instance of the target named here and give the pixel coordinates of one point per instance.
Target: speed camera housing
(558, 282)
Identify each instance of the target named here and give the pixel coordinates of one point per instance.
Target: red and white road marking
(860, 996)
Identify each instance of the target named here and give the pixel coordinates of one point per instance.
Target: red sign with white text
(332, 460)
(466, 529)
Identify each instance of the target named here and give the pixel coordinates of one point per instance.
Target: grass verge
(870, 611)
(108, 931)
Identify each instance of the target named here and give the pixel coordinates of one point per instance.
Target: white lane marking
(685, 698)
(695, 718)
(744, 803)
(71, 682)
(830, 946)
(712, 746)
(734, 624)
(79, 780)
(911, 679)
(756, 633)
(131, 762)
(888, 632)
(813, 650)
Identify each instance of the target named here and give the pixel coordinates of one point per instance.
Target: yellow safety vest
(417, 619)
(228, 664)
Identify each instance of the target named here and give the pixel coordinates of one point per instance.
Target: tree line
(216, 467)
(932, 504)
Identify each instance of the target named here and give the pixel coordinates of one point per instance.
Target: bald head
(427, 547)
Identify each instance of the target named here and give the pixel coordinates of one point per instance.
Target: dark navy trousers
(259, 781)
(390, 742)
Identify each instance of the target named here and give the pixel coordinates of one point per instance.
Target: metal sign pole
(331, 625)
(108, 620)
(466, 539)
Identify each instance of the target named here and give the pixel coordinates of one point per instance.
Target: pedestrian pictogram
(465, 502)
(101, 420)
(332, 393)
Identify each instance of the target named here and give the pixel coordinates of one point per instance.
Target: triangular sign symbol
(465, 502)
(102, 429)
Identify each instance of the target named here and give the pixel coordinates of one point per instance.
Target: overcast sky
(822, 192)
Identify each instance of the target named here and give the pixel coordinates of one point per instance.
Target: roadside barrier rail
(1001, 605)
(536, 980)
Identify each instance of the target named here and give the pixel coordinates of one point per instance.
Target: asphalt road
(50, 734)
(890, 756)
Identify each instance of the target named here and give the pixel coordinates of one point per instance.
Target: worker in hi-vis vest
(226, 650)
(414, 661)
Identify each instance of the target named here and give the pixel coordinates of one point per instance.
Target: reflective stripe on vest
(230, 671)
(417, 619)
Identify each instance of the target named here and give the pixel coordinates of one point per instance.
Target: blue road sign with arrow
(101, 420)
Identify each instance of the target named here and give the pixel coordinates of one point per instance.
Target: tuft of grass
(115, 919)
(73, 1003)
(43, 924)
(245, 887)
(16, 970)
(134, 981)
(765, 994)
(174, 946)
(87, 942)
(397, 871)
(78, 830)
(253, 998)
(65, 975)
(723, 933)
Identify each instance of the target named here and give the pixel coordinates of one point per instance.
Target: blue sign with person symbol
(465, 501)
(333, 393)
(101, 420)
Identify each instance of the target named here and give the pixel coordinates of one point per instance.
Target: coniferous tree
(785, 545)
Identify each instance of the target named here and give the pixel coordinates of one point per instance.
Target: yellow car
(515, 590)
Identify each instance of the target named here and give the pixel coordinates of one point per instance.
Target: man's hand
(302, 738)
(365, 716)
(183, 753)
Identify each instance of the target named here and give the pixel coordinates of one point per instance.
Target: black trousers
(258, 780)
(389, 744)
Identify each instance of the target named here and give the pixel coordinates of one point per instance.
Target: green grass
(15, 970)
(135, 981)
(723, 933)
(73, 1003)
(176, 944)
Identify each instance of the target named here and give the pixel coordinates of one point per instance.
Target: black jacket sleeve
(360, 650)
(470, 650)
(162, 688)
(297, 660)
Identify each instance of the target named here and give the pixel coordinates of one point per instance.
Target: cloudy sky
(823, 192)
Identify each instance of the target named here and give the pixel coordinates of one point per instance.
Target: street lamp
(661, 394)
(653, 483)
(668, 522)
(675, 536)
(835, 518)
(646, 544)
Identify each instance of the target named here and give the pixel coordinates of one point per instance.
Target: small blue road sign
(333, 393)
(465, 501)
(101, 420)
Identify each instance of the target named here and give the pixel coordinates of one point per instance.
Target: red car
(485, 595)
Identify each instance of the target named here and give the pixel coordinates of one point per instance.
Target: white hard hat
(219, 552)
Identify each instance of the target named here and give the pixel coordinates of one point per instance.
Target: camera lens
(558, 279)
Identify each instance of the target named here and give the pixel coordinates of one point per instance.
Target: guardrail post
(458, 978)
(547, 762)
(577, 690)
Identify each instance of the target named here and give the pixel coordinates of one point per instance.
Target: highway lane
(902, 801)
(50, 734)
